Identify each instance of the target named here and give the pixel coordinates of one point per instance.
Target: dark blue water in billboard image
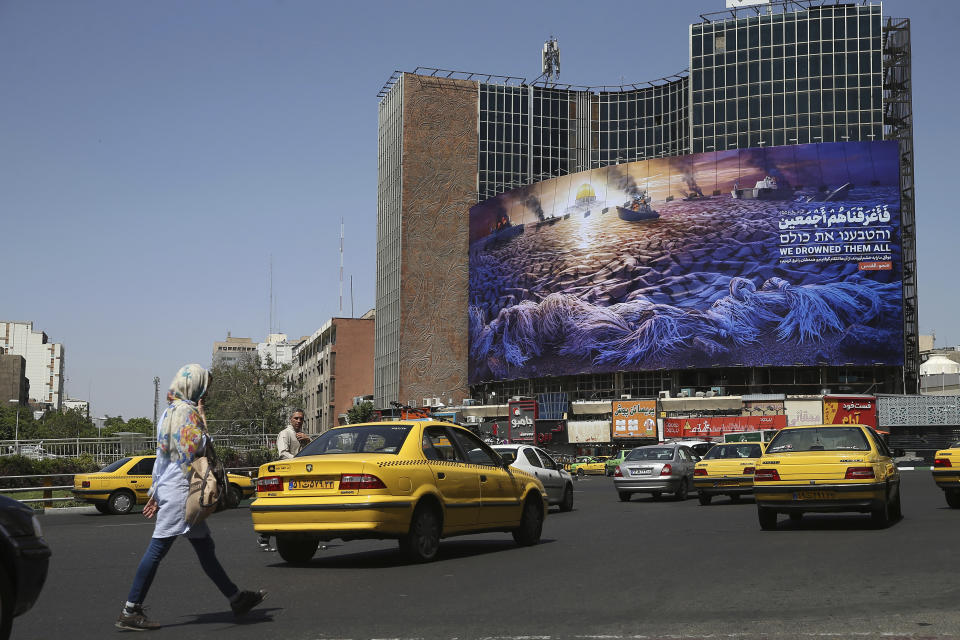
(757, 257)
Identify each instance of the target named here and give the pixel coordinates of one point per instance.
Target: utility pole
(156, 398)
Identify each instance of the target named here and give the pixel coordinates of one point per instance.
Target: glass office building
(783, 73)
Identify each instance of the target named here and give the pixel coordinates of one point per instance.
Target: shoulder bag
(208, 485)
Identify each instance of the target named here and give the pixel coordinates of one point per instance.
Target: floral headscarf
(180, 434)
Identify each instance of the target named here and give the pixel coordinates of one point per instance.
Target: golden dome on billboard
(586, 194)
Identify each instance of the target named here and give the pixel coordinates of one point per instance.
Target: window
(113, 466)
(819, 439)
(378, 438)
(532, 458)
(475, 450)
(548, 462)
(143, 468)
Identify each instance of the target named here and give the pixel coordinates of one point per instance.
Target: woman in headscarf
(181, 435)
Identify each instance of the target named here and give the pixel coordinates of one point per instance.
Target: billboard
(523, 417)
(804, 412)
(719, 425)
(850, 410)
(783, 256)
(588, 431)
(634, 419)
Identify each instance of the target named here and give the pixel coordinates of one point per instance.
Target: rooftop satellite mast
(551, 59)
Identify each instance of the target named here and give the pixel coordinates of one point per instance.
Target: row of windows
(865, 67)
(783, 29)
(760, 138)
(788, 87)
(790, 104)
(788, 51)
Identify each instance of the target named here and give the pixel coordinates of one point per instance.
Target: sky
(155, 156)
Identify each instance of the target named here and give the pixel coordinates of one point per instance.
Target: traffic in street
(646, 567)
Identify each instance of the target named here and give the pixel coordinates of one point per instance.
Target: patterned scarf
(180, 434)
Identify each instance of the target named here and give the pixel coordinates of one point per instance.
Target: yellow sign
(634, 419)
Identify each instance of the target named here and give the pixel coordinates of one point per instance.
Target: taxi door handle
(441, 475)
(133, 482)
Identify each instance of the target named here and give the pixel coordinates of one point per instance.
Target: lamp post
(16, 433)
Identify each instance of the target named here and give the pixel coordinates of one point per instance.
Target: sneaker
(135, 621)
(246, 600)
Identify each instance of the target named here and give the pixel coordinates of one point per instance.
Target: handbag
(208, 485)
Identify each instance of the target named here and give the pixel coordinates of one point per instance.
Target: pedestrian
(292, 438)
(181, 436)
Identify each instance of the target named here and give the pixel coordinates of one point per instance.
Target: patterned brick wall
(440, 124)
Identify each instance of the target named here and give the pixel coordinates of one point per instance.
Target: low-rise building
(233, 350)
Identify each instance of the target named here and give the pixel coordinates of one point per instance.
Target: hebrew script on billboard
(780, 256)
(634, 419)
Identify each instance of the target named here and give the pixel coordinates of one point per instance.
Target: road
(607, 569)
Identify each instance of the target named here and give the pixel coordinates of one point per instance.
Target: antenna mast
(551, 59)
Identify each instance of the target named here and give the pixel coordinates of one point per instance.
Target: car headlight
(37, 529)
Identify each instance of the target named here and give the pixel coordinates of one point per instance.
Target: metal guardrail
(110, 449)
(48, 487)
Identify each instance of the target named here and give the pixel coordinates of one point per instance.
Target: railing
(107, 450)
(48, 488)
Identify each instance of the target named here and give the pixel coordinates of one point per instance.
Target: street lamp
(16, 436)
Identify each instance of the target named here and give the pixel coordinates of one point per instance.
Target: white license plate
(642, 472)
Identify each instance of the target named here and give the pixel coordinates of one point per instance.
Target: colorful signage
(522, 420)
(779, 256)
(850, 410)
(634, 419)
(714, 426)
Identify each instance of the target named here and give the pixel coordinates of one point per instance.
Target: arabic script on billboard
(779, 256)
(523, 418)
(849, 410)
(719, 425)
(634, 419)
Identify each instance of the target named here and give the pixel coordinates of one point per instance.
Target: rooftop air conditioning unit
(683, 394)
(625, 396)
(710, 394)
(701, 394)
(663, 395)
(824, 392)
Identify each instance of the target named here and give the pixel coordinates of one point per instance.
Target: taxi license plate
(814, 495)
(642, 472)
(727, 483)
(311, 484)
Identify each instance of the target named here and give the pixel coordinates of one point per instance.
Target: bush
(18, 465)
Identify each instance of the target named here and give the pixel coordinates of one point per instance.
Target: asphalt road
(605, 570)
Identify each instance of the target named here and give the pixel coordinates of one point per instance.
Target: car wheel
(953, 498)
(705, 498)
(7, 601)
(422, 543)
(880, 516)
(796, 516)
(567, 503)
(767, 518)
(99, 506)
(234, 496)
(120, 502)
(682, 490)
(655, 495)
(297, 550)
(531, 522)
(624, 496)
(580, 473)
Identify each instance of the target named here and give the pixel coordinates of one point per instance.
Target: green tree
(253, 389)
(67, 424)
(116, 424)
(362, 412)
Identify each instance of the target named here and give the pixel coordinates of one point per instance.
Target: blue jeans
(158, 549)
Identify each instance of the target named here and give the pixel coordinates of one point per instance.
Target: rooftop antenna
(551, 59)
(340, 313)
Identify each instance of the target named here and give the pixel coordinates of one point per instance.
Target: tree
(68, 424)
(253, 389)
(362, 412)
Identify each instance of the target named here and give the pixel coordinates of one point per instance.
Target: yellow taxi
(120, 485)
(727, 469)
(827, 468)
(946, 473)
(414, 481)
(588, 465)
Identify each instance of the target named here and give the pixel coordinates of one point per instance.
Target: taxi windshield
(650, 453)
(378, 438)
(819, 439)
(731, 451)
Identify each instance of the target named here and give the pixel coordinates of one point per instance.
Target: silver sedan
(656, 469)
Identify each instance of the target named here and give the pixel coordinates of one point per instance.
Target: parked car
(699, 447)
(827, 468)
(413, 481)
(588, 465)
(536, 461)
(656, 469)
(946, 473)
(121, 485)
(727, 469)
(610, 464)
(24, 557)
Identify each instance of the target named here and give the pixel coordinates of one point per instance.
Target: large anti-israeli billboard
(778, 256)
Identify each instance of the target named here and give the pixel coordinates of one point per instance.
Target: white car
(699, 447)
(534, 460)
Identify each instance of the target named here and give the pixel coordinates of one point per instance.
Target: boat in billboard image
(637, 209)
(766, 189)
(779, 277)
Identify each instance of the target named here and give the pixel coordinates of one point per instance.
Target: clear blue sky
(154, 154)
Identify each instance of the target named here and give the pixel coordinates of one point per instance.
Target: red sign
(523, 416)
(850, 410)
(719, 425)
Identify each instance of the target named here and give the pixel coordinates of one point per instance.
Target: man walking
(292, 438)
